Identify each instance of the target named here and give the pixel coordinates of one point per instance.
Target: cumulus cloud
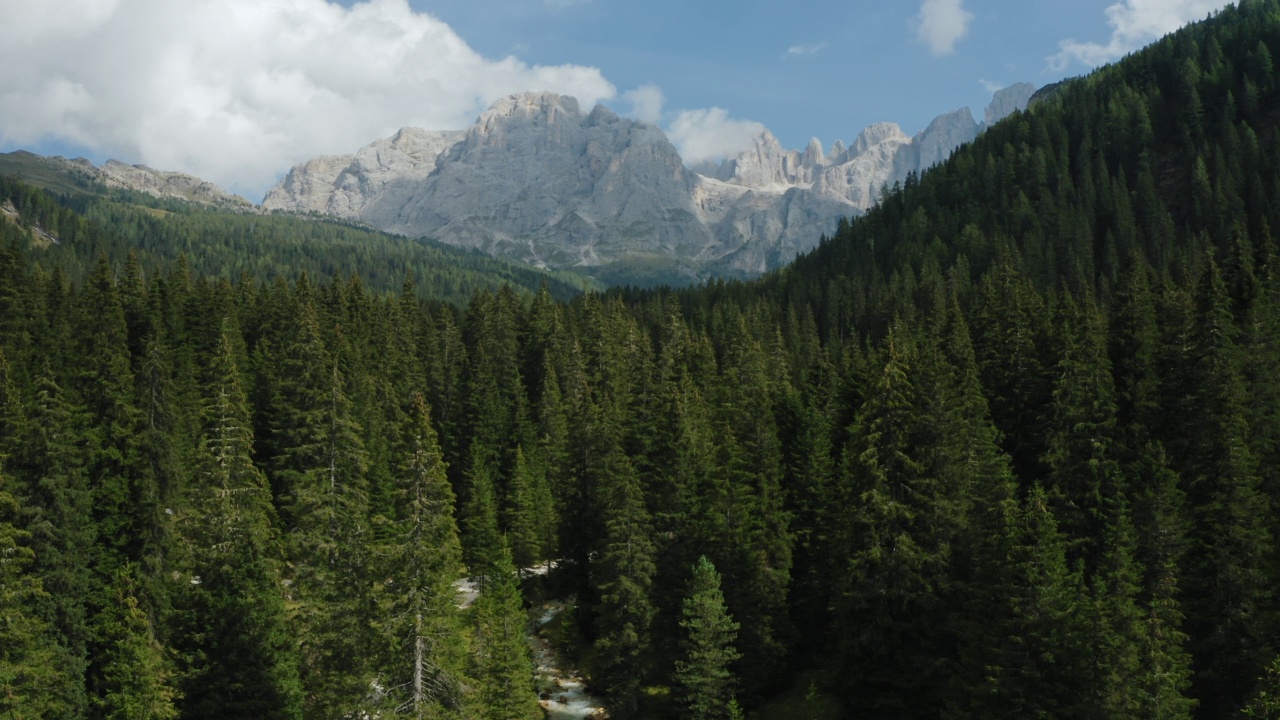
(1134, 23)
(236, 91)
(806, 49)
(941, 24)
(646, 103)
(711, 134)
(990, 86)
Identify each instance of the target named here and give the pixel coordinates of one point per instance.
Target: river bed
(562, 692)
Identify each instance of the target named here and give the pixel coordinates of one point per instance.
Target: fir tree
(136, 677)
(32, 674)
(421, 652)
(626, 572)
(527, 519)
(704, 681)
(237, 656)
(482, 542)
(63, 533)
(504, 669)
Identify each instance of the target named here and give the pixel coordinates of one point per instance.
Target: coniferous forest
(1008, 446)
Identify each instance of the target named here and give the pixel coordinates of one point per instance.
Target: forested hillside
(77, 223)
(1005, 447)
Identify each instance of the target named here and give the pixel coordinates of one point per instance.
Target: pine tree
(1080, 455)
(526, 518)
(482, 542)
(504, 669)
(32, 675)
(136, 677)
(1229, 590)
(421, 651)
(704, 681)
(63, 534)
(237, 655)
(625, 571)
(889, 617)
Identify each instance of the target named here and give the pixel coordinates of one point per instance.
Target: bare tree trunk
(418, 662)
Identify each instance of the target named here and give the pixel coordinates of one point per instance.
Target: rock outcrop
(343, 185)
(539, 180)
(1007, 101)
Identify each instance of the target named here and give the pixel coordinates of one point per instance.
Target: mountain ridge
(619, 190)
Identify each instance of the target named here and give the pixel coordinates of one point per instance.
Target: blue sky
(855, 62)
(237, 91)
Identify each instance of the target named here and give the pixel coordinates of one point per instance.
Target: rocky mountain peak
(1007, 101)
(813, 156)
(874, 135)
(538, 180)
(946, 133)
(546, 107)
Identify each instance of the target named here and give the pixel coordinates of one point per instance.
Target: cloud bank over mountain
(236, 91)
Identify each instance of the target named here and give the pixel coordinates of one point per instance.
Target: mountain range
(539, 180)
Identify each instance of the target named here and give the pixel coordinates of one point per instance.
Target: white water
(562, 691)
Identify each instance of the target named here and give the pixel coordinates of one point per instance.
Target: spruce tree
(421, 649)
(1120, 630)
(530, 514)
(482, 541)
(33, 676)
(328, 552)
(890, 617)
(1229, 588)
(59, 501)
(236, 652)
(504, 669)
(625, 571)
(703, 677)
(1165, 680)
(1080, 455)
(137, 680)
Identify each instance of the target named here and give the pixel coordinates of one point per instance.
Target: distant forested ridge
(1008, 446)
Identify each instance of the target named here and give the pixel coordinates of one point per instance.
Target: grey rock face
(161, 184)
(766, 165)
(538, 180)
(946, 133)
(343, 185)
(1009, 100)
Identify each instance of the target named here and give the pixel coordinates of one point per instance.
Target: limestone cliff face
(1009, 100)
(538, 179)
(343, 185)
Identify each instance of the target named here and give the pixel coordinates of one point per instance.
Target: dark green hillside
(92, 220)
(1006, 447)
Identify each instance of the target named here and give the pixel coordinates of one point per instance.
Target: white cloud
(941, 24)
(1134, 23)
(806, 49)
(990, 86)
(236, 91)
(646, 103)
(711, 134)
